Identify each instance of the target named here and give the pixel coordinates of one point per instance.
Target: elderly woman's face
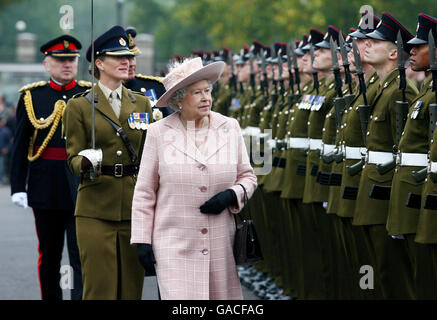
(198, 101)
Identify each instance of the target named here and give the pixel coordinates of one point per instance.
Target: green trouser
(110, 266)
(273, 215)
(426, 271)
(392, 263)
(313, 265)
(343, 267)
(325, 231)
(256, 205)
(288, 247)
(292, 207)
(362, 255)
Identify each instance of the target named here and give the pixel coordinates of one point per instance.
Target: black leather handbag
(246, 244)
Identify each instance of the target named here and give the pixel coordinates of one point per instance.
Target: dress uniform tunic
(111, 269)
(50, 185)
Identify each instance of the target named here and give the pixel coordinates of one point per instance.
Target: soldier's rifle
(348, 77)
(264, 70)
(314, 71)
(364, 109)
(252, 75)
(339, 101)
(296, 68)
(290, 69)
(420, 175)
(281, 74)
(272, 61)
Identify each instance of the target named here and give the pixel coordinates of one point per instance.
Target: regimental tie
(115, 103)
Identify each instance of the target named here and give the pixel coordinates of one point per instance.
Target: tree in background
(182, 26)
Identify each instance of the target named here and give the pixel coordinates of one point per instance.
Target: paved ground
(18, 256)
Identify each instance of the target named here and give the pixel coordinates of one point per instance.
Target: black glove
(219, 202)
(147, 258)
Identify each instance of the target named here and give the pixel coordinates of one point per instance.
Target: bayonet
(401, 65)
(264, 69)
(359, 68)
(432, 61)
(280, 73)
(252, 74)
(314, 71)
(344, 58)
(275, 83)
(296, 67)
(336, 67)
(290, 67)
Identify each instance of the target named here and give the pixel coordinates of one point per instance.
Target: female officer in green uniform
(110, 267)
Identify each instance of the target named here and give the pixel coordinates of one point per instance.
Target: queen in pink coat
(188, 190)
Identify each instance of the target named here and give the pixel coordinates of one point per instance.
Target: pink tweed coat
(193, 251)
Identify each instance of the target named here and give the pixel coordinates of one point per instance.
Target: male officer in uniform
(40, 177)
(392, 263)
(150, 86)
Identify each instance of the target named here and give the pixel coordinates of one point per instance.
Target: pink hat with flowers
(187, 73)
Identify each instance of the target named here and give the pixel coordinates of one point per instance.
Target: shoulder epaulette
(84, 83)
(135, 92)
(81, 94)
(141, 76)
(33, 85)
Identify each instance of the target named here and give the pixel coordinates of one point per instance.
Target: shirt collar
(107, 92)
(55, 85)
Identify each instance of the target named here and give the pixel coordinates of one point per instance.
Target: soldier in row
(360, 206)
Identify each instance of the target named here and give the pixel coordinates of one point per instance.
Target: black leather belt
(120, 170)
(301, 170)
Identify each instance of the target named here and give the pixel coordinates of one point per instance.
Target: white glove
(271, 143)
(20, 199)
(398, 237)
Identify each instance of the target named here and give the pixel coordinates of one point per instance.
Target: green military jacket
(222, 101)
(238, 100)
(294, 172)
(251, 106)
(352, 137)
(266, 122)
(415, 139)
(315, 192)
(106, 197)
(381, 136)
